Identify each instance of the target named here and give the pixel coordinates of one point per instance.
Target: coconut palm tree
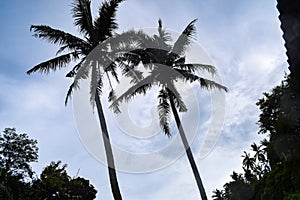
(167, 65)
(95, 31)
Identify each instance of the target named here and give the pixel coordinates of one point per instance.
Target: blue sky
(243, 38)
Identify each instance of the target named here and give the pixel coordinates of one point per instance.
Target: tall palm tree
(167, 65)
(94, 32)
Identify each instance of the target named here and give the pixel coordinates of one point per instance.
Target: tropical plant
(17, 151)
(55, 183)
(95, 32)
(248, 161)
(166, 65)
(273, 172)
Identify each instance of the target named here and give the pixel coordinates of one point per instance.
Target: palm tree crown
(167, 64)
(94, 32)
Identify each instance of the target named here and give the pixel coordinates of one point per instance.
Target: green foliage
(274, 170)
(282, 181)
(292, 196)
(54, 183)
(278, 119)
(17, 151)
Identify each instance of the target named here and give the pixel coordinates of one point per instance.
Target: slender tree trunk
(188, 150)
(108, 150)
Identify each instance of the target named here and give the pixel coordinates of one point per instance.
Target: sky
(242, 38)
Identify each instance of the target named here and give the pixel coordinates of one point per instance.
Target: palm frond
(112, 68)
(163, 37)
(73, 72)
(112, 96)
(130, 71)
(106, 23)
(83, 18)
(164, 111)
(135, 75)
(180, 61)
(59, 37)
(82, 73)
(158, 55)
(61, 49)
(54, 64)
(132, 39)
(72, 87)
(197, 67)
(208, 84)
(204, 83)
(184, 39)
(174, 94)
(140, 88)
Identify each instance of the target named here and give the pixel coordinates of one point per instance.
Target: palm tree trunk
(188, 150)
(108, 150)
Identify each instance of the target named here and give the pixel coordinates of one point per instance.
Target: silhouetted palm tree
(94, 32)
(167, 65)
(248, 161)
(259, 153)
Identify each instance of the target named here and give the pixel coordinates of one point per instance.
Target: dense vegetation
(272, 170)
(18, 180)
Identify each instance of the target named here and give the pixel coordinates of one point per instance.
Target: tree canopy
(272, 170)
(17, 180)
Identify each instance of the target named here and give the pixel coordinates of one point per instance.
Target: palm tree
(259, 153)
(167, 65)
(94, 32)
(248, 161)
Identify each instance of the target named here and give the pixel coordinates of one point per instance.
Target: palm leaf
(164, 111)
(83, 18)
(106, 22)
(54, 64)
(184, 39)
(72, 87)
(204, 83)
(140, 88)
(59, 37)
(130, 71)
(162, 38)
(112, 96)
(73, 72)
(197, 67)
(132, 39)
(112, 68)
(208, 84)
(163, 34)
(174, 94)
(81, 73)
